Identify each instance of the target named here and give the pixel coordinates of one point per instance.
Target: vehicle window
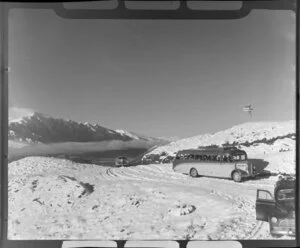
(214, 158)
(264, 195)
(197, 157)
(191, 156)
(179, 156)
(235, 157)
(186, 156)
(238, 157)
(285, 194)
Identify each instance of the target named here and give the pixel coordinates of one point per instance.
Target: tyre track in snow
(156, 173)
(223, 188)
(162, 175)
(224, 185)
(257, 230)
(140, 174)
(135, 175)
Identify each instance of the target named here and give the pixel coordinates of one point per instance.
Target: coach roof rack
(210, 149)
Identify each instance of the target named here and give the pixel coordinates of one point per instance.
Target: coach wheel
(236, 176)
(193, 172)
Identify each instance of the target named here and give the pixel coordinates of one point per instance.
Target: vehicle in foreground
(223, 162)
(278, 209)
(121, 161)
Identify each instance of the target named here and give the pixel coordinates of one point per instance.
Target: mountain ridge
(41, 128)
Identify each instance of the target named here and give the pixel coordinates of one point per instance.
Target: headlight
(274, 220)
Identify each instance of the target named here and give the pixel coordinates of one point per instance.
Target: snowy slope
(271, 136)
(258, 139)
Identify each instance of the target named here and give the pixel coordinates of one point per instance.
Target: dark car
(278, 209)
(121, 161)
(168, 159)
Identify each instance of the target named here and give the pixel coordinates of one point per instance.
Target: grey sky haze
(155, 77)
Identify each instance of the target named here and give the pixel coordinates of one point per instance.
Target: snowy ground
(53, 198)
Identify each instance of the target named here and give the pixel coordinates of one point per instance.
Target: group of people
(224, 158)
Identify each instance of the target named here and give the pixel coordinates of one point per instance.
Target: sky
(154, 77)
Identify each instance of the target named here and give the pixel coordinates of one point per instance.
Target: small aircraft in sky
(249, 109)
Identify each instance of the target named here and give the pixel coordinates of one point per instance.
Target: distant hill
(39, 128)
(253, 137)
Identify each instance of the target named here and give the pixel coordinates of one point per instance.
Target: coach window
(180, 156)
(186, 156)
(214, 158)
(191, 156)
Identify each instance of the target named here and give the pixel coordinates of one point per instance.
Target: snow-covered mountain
(253, 137)
(39, 128)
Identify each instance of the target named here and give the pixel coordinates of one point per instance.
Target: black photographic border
(122, 13)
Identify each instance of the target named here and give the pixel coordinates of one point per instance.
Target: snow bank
(45, 165)
(284, 163)
(258, 139)
(240, 134)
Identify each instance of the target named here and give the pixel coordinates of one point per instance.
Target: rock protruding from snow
(182, 209)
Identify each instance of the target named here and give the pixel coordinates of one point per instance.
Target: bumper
(284, 227)
(121, 164)
(283, 231)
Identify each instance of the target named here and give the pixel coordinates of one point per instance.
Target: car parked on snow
(168, 159)
(121, 161)
(278, 209)
(151, 159)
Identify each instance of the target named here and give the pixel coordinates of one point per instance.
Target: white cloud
(16, 113)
